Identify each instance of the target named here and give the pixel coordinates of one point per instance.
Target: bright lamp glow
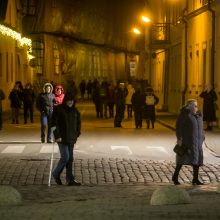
(145, 19)
(136, 31)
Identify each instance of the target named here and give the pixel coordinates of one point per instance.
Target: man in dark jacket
(66, 119)
(189, 132)
(44, 104)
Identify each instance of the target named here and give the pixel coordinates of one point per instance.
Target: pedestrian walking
(28, 98)
(209, 106)
(189, 133)
(138, 104)
(120, 94)
(67, 122)
(45, 103)
(82, 88)
(2, 97)
(59, 94)
(96, 98)
(149, 111)
(128, 103)
(15, 98)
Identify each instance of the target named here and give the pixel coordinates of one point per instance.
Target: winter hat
(69, 96)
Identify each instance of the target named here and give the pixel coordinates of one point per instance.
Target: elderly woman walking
(189, 133)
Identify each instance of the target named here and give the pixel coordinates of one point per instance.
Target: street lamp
(145, 19)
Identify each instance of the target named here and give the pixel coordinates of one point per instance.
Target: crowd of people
(60, 116)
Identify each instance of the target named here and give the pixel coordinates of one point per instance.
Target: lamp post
(144, 62)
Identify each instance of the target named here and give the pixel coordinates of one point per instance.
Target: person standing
(28, 100)
(59, 94)
(15, 98)
(209, 106)
(67, 122)
(44, 103)
(2, 97)
(82, 88)
(189, 133)
(138, 103)
(128, 99)
(120, 94)
(149, 111)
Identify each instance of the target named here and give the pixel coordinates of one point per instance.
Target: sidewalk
(212, 138)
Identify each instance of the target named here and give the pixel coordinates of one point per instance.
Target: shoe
(42, 141)
(73, 183)
(197, 182)
(49, 141)
(175, 181)
(57, 180)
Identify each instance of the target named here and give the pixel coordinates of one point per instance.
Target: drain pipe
(213, 44)
(185, 57)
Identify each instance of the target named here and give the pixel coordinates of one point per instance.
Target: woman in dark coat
(189, 133)
(66, 119)
(209, 98)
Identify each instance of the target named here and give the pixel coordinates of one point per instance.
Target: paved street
(118, 167)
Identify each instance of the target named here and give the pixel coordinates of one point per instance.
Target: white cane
(51, 165)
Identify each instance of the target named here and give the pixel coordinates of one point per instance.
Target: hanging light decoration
(22, 41)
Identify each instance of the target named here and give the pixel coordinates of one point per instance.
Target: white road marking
(159, 148)
(122, 148)
(13, 149)
(47, 149)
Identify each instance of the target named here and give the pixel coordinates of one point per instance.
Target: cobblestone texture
(35, 171)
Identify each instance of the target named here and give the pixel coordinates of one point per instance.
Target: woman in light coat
(189, 132)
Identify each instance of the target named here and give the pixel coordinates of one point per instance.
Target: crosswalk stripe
(16, 149)
(46, 149)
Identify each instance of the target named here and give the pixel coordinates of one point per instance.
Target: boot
(195, 180)
(176, 174)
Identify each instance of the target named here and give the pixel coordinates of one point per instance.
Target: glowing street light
(145, 19)
(136, 31)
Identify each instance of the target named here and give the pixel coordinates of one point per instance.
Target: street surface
(119, 169)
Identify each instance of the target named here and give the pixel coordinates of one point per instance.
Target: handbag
(180, 149)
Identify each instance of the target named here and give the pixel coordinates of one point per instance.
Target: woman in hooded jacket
(59, 94)
(189, 133)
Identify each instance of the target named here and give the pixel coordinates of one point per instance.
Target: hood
(48, 84)
(56, 89)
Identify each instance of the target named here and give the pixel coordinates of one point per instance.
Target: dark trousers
(66, 160)
(138, 118)
(28, 108)
(119, 115)
(195, 172)
(111, 109)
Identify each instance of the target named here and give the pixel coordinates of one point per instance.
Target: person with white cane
(67, 121)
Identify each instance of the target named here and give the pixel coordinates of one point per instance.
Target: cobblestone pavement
(29, 171)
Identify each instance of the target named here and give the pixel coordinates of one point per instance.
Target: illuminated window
(56, 60)
(38, 51)
(29, 7)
